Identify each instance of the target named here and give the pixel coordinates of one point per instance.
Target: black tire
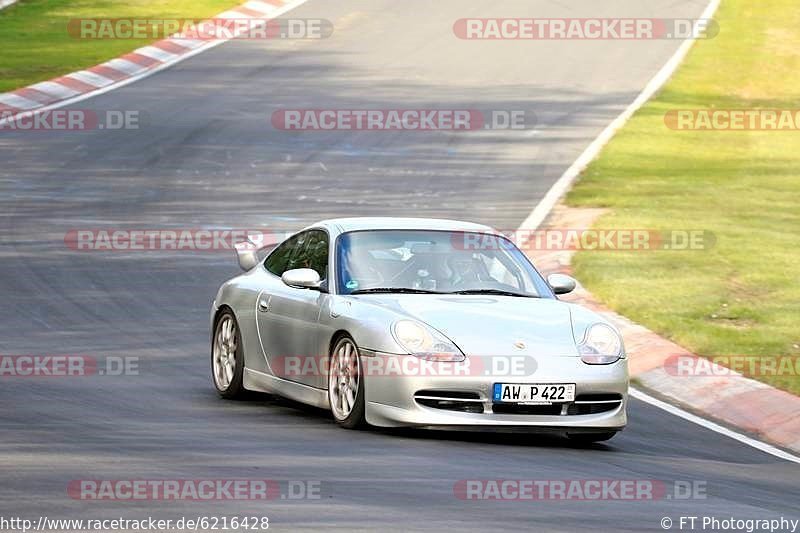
(589, 438)
(234, 389)
(356, 418)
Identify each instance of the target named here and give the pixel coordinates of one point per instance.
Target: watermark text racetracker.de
(402, 119)
(595, 239)
(67, 366)
(686, 365)
(733, 119)
(73, 120)
(579, 489)
(199, 29)
(379, 365)
(170, 239)
(211, 489)
(584, 28)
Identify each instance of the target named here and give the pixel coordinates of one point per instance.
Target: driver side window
(499, 272)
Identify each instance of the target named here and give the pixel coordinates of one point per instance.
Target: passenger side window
(312, 252)
(278, 261)
(297, 258)
(317, 252)
(306, 250)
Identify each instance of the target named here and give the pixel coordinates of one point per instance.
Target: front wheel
(346, 385)
(227, 357)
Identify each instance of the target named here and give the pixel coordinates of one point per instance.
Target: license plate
(534, 393)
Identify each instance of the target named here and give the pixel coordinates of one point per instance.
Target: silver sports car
(417, 322)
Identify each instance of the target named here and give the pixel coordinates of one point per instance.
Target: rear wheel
(227, 357)
(346, 384)
(588, 438)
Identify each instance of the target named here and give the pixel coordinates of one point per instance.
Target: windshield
(427, 261)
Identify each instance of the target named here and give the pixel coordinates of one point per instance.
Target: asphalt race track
(208, 157)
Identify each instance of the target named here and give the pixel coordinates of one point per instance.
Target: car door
(288, 317)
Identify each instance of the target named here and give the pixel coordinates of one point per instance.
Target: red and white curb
(130, 67)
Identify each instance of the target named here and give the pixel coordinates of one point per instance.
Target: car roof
(343, 225)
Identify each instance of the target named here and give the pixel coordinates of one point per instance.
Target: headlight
(425, 342)
(601, 345)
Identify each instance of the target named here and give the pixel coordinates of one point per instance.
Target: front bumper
(391, 402)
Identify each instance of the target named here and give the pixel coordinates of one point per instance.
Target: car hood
(491, 325)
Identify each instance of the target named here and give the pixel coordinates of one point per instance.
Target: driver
(465, 271)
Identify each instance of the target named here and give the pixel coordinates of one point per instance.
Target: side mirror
(561, 283)
(247, 254)
(301, 278)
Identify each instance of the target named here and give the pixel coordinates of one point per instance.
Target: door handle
(263, 305)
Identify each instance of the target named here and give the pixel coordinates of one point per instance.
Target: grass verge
(36, 45)
(742, 296)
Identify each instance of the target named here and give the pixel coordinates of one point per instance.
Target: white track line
(560, 187)
(563, 184)
(207, 46)
(700, 421)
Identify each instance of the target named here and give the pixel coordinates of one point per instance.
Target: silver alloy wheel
(224, 353)
(343, 379)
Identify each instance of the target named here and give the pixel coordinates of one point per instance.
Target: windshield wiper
(395, 289)
(498, 292)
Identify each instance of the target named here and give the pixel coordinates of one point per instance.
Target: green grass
(741, 297)
(36, 46)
